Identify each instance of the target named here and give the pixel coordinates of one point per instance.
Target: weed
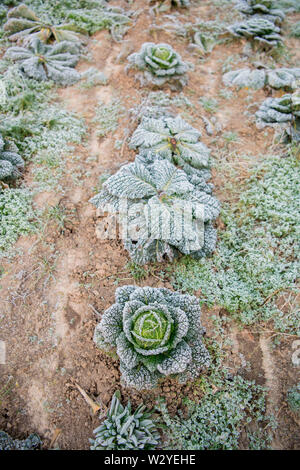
(209, 104)
(107, 117)
(253, 273)
(17, 217)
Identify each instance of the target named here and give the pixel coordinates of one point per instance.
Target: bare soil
(51, 292)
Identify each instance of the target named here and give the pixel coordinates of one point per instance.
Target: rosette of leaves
(258, 78)
(265, 8)
(32, 442)
(173, 139)
(261, 31)
(160, 211)
(160, 64)
(156, 333)
(23, 23)
(47, 62)
(11, 163)
(125, 429)
(284, 111)
(197, 176)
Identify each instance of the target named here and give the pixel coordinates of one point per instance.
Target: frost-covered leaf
(262, 31)
(264, 8)
(23, 23)
(281, 112)
(47, 62)
(123, 429)
(32, 442)
(284, 111)
(275, 78)
(173, 139)
(159, 209)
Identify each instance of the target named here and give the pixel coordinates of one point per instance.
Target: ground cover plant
(156, 333)
(32, 442)
(293, 399)
(296, 30)
(17, 217)
(247, 271)
(216, 423)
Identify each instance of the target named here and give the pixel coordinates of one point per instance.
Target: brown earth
(51, 293)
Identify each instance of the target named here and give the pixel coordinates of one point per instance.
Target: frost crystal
(156, 333)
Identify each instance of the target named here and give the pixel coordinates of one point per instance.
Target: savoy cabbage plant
(265, 8)
(23, 23)
(125, 429)
(160, 65)
(160, 211)
(173, 139)
(11, 163)
(283, 111)
(261, 31)
(156, 333)
(32, 442)
(258, 78)
(47, 62)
